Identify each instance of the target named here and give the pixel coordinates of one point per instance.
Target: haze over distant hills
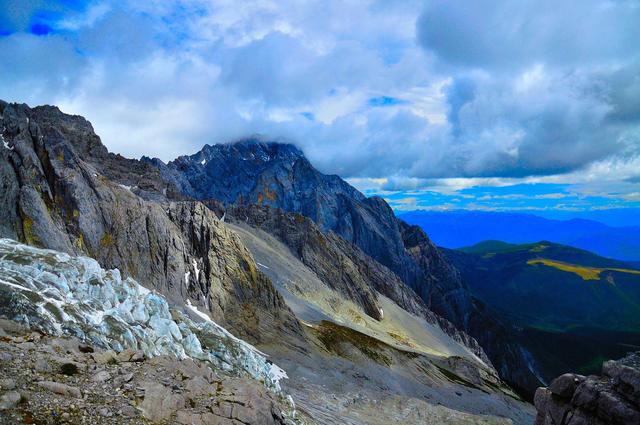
(456, 229)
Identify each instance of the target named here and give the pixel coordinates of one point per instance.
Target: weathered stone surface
(9, 400)
(160, 390)
(62, 389)
(278, 175)
(63, 190)
(593, 400)
(565, 385)
(160, 403)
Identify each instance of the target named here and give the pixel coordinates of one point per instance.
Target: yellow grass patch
(586, 273)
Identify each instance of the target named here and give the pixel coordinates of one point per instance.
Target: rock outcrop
(610, 399)
(48, 379)
(278, 175)
(341, 264)
(54, 195)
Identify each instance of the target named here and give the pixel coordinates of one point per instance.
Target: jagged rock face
(341, 264)
(610, 399)
(279, 176)
(316, 250)
(447, 295)
(52, 197)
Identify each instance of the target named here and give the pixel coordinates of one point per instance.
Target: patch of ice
(4, 142)
(13, 285)
(63, 295)
(204, 161)
(381, 313)
(186, 277)
(195, 268)
(277, 373)
(262, 265)
(197, 312)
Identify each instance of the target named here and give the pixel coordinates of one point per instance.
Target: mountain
(455, 229)
(574, 308)
(358, 345)
(272, 174)
(62, 190)
(614, 217)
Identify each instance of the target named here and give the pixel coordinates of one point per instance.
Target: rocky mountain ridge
(55, 196)
(321, 306)
(279, 176)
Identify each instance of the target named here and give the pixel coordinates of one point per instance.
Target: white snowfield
(64, 295)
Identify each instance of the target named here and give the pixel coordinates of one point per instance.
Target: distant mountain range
(573, 308)
(455, 229)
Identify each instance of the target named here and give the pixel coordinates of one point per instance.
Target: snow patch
(204, 161)
(381, 313)
(126, 187)
(62, 295)
(200, 314)
(277, 373)
(186, 277)
(262, 265)
(195, 268)
(4, 142)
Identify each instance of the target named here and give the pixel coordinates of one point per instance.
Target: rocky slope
(401, 361)
(48, 294)
(277, 175)
(342, 265)
(54, 195)
(60, 380)
(610, 399)
(313, 299)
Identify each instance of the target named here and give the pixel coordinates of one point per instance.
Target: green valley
(571, 308)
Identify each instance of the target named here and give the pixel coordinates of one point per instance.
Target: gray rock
(626, 376)
(42, 366)
(105, 412)
(101, 376)
(59, 388)
(565, 385)
(160, 403)
(105, 357)
(9, 400)
(7, 384)
(593, 400)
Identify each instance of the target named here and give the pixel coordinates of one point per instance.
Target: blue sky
(432, 104)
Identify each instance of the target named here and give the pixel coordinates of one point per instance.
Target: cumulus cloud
(407, 95)
(539, 87)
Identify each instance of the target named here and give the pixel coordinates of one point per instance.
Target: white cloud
(526, 101)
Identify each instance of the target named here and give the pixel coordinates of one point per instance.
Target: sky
(528, 105)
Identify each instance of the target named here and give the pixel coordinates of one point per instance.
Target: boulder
(610, 399)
